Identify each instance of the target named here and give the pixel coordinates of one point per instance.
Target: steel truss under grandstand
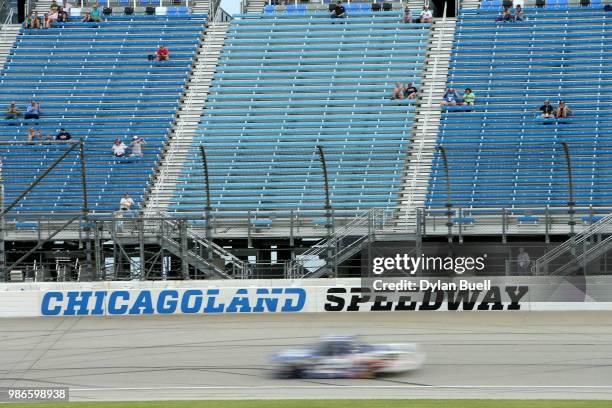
(128, 246)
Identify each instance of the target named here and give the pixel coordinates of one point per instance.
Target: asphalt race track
(469, 355)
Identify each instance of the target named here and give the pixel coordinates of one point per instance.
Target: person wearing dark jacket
(339, 11)
(63, 135)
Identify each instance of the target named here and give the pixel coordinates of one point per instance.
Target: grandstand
(272, 143)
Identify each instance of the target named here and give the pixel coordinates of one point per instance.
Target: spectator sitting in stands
(62, 15)
(63, 135)
(426, 16)
(410, 91)
(450, 98)
(32, 21)
(339, 11)
(95, 14)
(520, 14)
(33, 111)
(87, 18)
(51, 18)
(162, 53)
(398, 91)
(136, 145)
(562, 111)
(33, 134)
(547, 109)
(126, 202)
(119, 148)
(407, 15)
(12, 112)
(506, 15)
(468, 97)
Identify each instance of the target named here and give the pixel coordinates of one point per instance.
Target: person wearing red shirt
(162, 54)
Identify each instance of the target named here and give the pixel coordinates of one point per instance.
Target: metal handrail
(585, 255)
(7, 21)
(573, 241)
(217, 250)
(364, 219)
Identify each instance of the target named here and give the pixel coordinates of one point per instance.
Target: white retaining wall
(252, 296)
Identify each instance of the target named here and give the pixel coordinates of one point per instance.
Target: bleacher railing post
(547, 221)
(504, 225)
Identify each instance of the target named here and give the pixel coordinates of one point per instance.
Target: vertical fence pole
(449, 204)
(207, 208)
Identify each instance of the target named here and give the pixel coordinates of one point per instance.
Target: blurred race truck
(347, 357)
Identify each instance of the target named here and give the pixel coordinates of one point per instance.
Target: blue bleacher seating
(500, 152)
(95, 80)
(298, 8)
(491, 4)
(289, 81)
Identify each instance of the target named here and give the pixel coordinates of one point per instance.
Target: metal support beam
(449, 204)
(97, 253)
(141, 249)
(42, 242)
(570, 203)
(328, 216)
(184, 248)
(208, 207)
(328, 208)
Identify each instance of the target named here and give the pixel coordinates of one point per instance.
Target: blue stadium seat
(491, 4)
(298, 8)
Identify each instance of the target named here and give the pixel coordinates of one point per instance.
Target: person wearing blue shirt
(450, 98)
(33, 111)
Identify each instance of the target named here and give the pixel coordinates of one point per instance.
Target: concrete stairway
(470, 4)
(416, 6)
(415, 179)
(205, 7)
(202, 7)
(42, 7)
(188, 117)
(8, 34)
(254, 6)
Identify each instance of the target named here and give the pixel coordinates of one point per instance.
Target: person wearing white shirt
(426, 16)
(119, 148)
(136, 145)
(523, 262)
(126, 202)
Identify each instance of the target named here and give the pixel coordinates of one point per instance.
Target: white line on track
(264, 387)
